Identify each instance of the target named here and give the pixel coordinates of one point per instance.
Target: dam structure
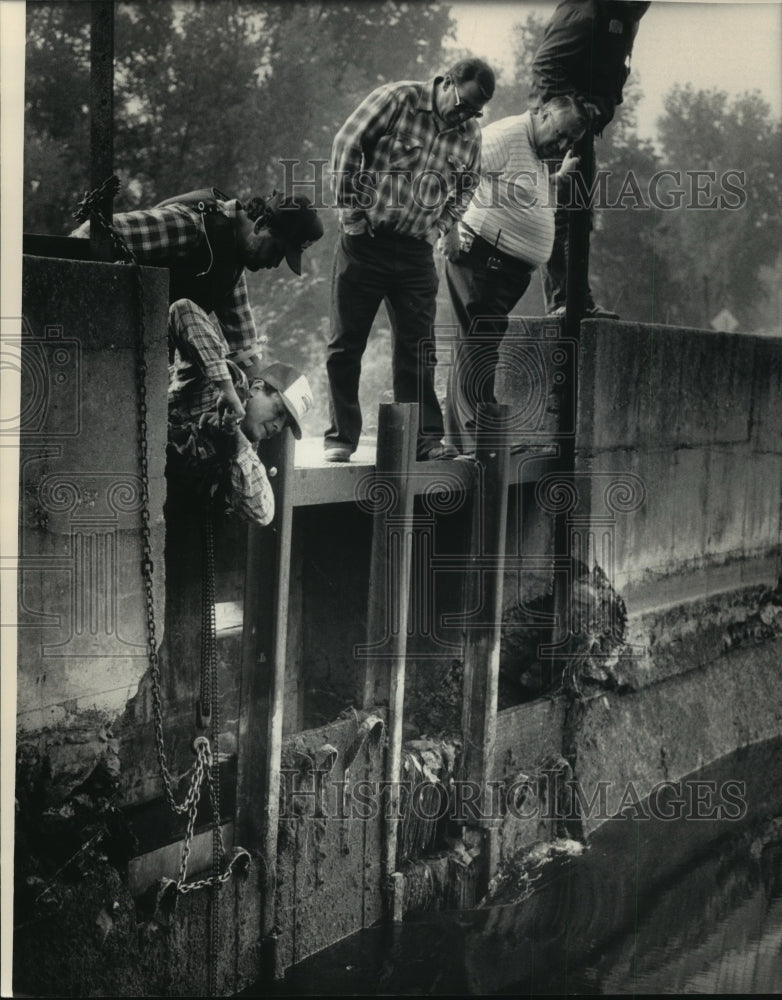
(237, 746)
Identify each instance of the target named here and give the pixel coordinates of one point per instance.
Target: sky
(733, 47)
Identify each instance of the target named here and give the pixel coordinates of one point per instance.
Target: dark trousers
(554, 274)
(399, 271)
(484, 285)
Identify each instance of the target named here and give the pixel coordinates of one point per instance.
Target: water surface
(686, 906)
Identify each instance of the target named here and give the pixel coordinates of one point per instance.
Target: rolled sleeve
(251, 492)
(199, 338)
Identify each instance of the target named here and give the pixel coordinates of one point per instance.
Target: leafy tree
(211, 92)
(221, 93)
(720, 250)
(56, 167)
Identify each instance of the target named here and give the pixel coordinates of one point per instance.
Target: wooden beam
(389, 573)
(484, 592)
(389, 601)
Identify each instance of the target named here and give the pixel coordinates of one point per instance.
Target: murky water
(686, 906)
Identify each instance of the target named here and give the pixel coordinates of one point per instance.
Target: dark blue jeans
(399, 271)
(484, 285)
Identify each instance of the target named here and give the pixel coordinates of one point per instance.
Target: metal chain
(92, 205)
(206, 760)
(147, 569)
(210, 703)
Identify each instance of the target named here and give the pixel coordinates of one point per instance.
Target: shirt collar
(426, 97)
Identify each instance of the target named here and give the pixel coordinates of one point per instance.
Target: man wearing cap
(207, 240)
(405, 164)
(211, 456)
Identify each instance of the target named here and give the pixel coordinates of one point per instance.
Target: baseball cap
(294, 220)
(294, 390)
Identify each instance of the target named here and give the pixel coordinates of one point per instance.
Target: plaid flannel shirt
(204, 450)
(396, 166)
(205, 455)
(158, 236)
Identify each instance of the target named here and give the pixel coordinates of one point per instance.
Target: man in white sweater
(506, 233)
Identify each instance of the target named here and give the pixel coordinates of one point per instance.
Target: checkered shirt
(205, 457)
(397, 166)
(158, 236)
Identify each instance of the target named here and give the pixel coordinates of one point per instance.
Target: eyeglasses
(466, 109)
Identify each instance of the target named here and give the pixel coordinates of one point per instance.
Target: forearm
(251, 492)
(199, 340)
(466, 185)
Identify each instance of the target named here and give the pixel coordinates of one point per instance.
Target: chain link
(91, 205)
(210, 706)
(206, 766)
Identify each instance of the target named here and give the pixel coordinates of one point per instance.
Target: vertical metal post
(264, 643)
(101, 116)
(579, 223)
(578, 240)
(485, 592)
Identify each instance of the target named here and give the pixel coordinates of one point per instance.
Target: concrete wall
(82, 628)
(676, 497)
(696, 416)
(678, 476)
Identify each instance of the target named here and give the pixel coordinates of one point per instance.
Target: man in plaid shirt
(207, 240)
(405, 164)
(213, 463)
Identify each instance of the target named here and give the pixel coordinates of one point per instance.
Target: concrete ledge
(666, 731)
(693, 634)
(658, 388)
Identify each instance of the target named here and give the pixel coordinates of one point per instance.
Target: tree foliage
(227, 93)
(211, 92)
(221, 93)
(685, 263)
(720, 253)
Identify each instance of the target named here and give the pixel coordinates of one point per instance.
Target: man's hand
(228, 426)
(450, 243)
(569, 163)
(229, 407)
